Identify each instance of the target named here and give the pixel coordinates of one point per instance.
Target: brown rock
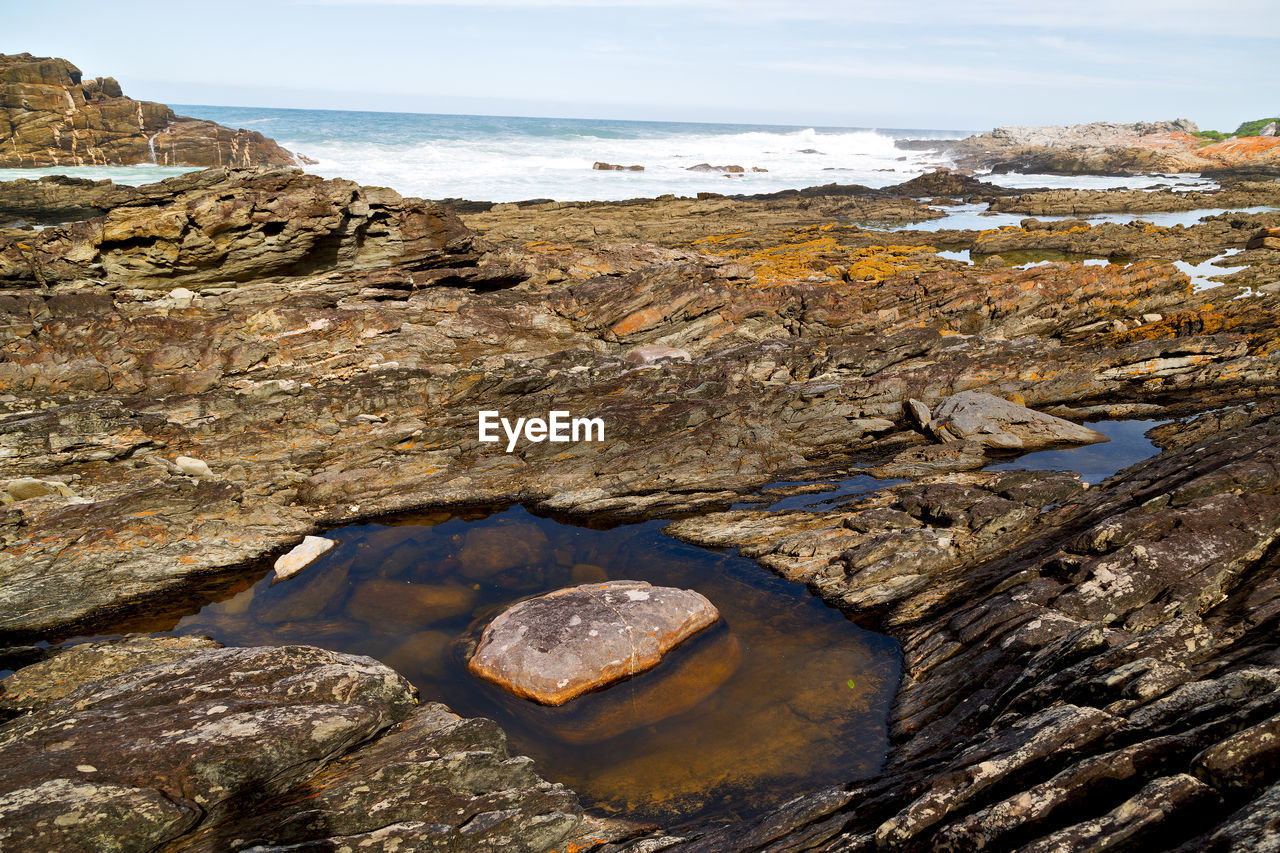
(614, 167)
(52, 118)
(565, 643)
(389, 606)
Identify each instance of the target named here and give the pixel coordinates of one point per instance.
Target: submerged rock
(565, 643)
(302, 555)
(996, 422)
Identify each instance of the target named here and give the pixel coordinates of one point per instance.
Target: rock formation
(191, 747)
(1083, 668)
(1105, 148)
(993, 422)
(51, 116)
(565, 643)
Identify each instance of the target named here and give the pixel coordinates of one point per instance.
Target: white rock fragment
(303, 554)
(193, 467)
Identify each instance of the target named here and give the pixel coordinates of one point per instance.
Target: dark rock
(613, 167)
(227, 749)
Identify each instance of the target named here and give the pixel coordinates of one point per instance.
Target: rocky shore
(51, 116)
(199, 373)
(1103, 148)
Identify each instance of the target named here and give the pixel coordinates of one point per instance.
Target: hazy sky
(962, 65)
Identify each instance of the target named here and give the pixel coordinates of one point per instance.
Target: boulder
(614, 167)
(995, 422)
(302, 555)
(565, 643)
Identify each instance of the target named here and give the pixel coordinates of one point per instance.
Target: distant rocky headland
(1103, 148)
(51, 116)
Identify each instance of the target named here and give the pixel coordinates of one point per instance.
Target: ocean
(506, 158)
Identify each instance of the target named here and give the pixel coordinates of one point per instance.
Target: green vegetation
(1249, 128)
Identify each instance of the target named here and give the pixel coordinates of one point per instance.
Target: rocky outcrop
(995, 422)
(1084, 669)
(52, 116)
(226, 225)
(182, 745)
(1084, 666)
(1105, 148)
(565, 643)
(325, 397)
(614, 167)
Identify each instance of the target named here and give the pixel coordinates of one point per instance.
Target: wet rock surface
(1085, 667)
(565, 643)
(180, 745)
(54, 117)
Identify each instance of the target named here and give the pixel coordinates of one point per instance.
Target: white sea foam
(507, 168)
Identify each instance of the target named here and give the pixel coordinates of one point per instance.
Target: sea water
(507, 158)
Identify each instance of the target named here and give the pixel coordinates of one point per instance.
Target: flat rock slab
(995, 422)
(565, 643)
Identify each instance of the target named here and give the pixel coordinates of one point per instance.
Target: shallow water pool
(784, 695)
(1094, 463)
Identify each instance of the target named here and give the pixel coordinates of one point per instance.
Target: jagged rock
(1106, 148)
(565, 643)
(613, 167)
(54, 118)
(996, 422)
(225, 225)
(168, 740)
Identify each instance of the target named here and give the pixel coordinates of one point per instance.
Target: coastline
(200, 372)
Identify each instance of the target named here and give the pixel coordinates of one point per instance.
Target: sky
(858, 63)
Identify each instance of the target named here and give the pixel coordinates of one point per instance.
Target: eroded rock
(996, 422)
(565, 643)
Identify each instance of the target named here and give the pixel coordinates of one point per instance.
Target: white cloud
(1242, 18)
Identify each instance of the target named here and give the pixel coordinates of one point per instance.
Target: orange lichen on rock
(803, 259)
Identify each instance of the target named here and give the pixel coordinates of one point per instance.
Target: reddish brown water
(784, 696)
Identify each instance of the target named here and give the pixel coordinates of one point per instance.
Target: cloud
(1241, 18)
(968, 74)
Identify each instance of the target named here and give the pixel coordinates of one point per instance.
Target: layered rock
(226, 225)
(1084, 667)
(53, 117)
(191, 747)
(568, 642)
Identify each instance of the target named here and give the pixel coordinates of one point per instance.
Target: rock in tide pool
(995, 422)
(303, 554)
(565, 643)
